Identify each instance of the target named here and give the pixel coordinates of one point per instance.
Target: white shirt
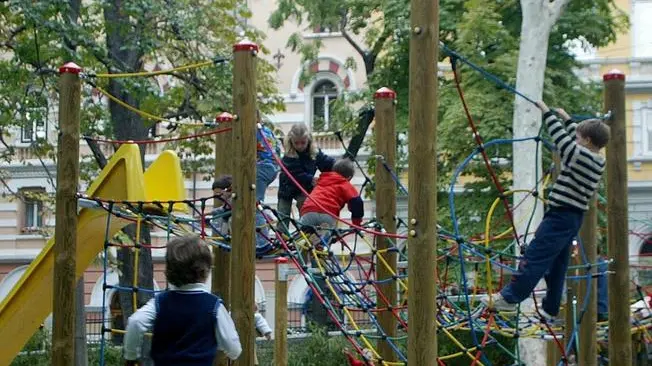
(142, 321)
(261, 324)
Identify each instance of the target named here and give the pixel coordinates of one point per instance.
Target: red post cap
(614, 74)
(245, 45)
(385, 93)
(281, 260)
(224, 117)
(70, 68)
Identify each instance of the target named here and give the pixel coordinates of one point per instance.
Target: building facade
(25, 222)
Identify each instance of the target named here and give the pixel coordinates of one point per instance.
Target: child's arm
(324, 162)
(356, 206)
(139, 322)
(227, 337)
(569, 123)
(564, 142)
(262, 326)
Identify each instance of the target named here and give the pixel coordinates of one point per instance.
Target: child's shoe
(498, 303)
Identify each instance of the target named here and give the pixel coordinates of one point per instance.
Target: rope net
(340, 266)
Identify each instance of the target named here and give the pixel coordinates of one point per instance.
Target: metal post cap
(614, 74)
(245, 45)
(224, 117)
(384, 93)
(70, 68)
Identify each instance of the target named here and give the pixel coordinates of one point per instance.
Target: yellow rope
(141, 112)
(154, 73)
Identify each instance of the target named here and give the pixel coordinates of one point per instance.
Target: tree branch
(380, 42)
(345, 34)
(556, 8)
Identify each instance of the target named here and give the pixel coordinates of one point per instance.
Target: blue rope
(489, 76)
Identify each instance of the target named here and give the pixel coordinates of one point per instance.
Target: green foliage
(41, 36)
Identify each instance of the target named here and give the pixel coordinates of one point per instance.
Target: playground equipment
(30, 301)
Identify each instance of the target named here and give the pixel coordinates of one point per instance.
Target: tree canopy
(485, 32)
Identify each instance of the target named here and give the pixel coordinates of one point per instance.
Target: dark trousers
(547, 256)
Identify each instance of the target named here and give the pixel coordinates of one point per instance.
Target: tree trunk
(538, 18)
(365, 118)
(81, 352)
(126, 55)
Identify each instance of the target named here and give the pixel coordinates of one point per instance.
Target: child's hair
(299, 131)
(224, 181)
(344, 167)
(595, 130)
(187, 260)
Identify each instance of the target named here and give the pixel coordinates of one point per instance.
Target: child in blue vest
(189, 324)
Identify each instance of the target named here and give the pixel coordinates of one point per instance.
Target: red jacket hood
(330, 178)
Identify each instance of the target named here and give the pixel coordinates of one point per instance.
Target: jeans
(547, 256)
(284, 210)
(265, 175)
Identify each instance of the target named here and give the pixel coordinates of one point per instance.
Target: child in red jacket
(332, 192)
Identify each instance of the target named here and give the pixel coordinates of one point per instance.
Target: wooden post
(620, 338)
(221, 277)
(281, 313)
(386, 212)
(588, 352)
(243, 247)
(422, 185)
(553, 353)
(65, 231)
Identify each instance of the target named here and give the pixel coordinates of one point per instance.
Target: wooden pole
(386, 212)
(65, 231)
(422, 185)
(620, 338)
(281, 313)
(553, 353)
(588, 353)
(243, 248)
(221, 277)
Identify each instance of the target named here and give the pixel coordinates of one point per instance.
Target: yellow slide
(30, 301)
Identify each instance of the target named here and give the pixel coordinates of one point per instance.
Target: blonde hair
(299, 131)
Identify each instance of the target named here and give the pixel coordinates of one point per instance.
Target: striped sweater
(581, 169)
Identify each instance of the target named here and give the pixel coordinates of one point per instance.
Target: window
(323, 95)
(647, 131)
(644, 275)
(642, 129)
(325, 29)
(642, 32)
(33, 208)
(35, 126)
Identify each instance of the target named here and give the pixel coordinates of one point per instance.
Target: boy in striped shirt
(548, 254)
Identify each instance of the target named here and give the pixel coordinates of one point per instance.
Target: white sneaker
(498, 303)
(546, 317)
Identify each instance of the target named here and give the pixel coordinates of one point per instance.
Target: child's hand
(268, 336)
(562, 113)
(314, 181)
(542, 106)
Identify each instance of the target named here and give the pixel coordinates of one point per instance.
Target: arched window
(324, 94)
(644, 274)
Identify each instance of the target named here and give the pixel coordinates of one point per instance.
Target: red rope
(171, 139)
(478, 140)
(494, 178)
(337, 218)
